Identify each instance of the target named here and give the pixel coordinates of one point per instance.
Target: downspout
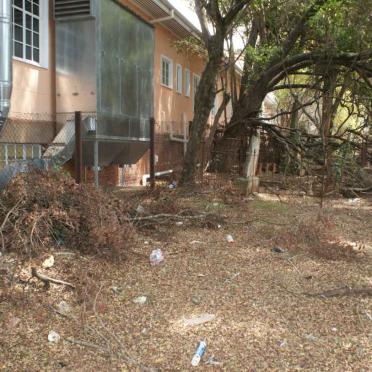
(6, 55)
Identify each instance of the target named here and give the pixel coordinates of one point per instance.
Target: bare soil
(269, 310)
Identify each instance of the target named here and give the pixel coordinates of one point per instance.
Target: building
(46, 74)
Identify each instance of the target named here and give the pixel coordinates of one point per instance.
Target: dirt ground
(272, 310)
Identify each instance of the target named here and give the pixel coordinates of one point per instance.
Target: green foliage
(343, 25)
(191, 46)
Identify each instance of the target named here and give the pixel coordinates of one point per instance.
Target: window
(30, 31)
(187, 83)
(166, 72)
(179, 79)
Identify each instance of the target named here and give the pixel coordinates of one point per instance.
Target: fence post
(78, 148)
(202, 160)
(96, 163)
(152, 153)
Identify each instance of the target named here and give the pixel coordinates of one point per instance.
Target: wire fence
(23, 140)
(45, 140)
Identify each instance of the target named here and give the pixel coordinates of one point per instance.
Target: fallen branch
(170, 216)
(47, 279)
(358, 189)
(362, 291)
(88, 344)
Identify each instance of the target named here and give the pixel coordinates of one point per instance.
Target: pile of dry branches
(161, 207)
(41, 210)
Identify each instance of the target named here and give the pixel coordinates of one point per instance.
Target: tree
(217, 18)
(316, 34)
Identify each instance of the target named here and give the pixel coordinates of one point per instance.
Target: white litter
(140, 209)
(203, 318)
(156, 257)
(229, 238)
(48, 263)
(196, 242)
(64, 307)
(141, 300)
(54, 337)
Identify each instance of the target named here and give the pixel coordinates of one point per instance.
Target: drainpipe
(6, 55)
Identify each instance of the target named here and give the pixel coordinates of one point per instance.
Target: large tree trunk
(204, 100)
(242, 124)
(330, 80)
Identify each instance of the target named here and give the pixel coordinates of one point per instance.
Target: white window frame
(179, 78)
(43, 35)
(170, 72)
(187, 82)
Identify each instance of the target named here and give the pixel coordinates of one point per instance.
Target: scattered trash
(172, 185)
(196, 242)
(369, 316)
(215, 204)
(13, 321)
(156, 257)
(212, 361)
(196, 301)
(48, 263)
(140, 209)
(282, 343)
(310, 337)
(353, 200)
(219, 226)
(278, 250)
(229, 238)
(232, 278)
(199, 353)
(64, 307)
(179, 223)
(144, 331)
(116, 290)
(146, 242)
(141, 300)
(54, 337)
(334, 329)
(204, 318)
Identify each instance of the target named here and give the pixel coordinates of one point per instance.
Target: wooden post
(202, 166)
(96, 163)
(152, 153)
(78, 148)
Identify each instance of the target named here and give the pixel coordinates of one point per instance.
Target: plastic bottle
(199, 353)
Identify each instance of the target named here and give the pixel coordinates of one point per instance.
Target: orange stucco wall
(34, 92)
(33, 86)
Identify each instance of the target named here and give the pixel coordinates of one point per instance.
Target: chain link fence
(46, 141)
(23, 141)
